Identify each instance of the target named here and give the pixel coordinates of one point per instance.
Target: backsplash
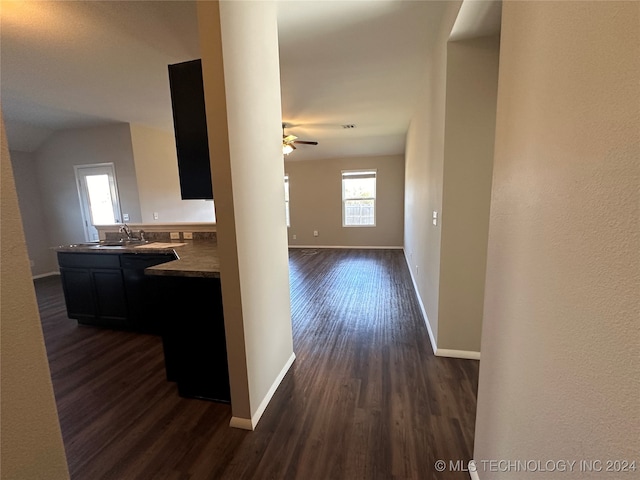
(163, 236)
(162, 232)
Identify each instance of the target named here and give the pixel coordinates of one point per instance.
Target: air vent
(350, 125)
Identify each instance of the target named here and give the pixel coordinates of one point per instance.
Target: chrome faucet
(126, 230)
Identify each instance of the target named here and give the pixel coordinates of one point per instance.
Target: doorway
(98, 193)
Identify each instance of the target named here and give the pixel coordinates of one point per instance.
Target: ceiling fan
(289, 141)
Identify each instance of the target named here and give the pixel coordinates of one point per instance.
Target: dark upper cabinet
(190, 124)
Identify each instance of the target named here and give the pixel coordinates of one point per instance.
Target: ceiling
(70, 64)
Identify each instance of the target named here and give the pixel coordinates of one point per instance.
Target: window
(359, 198)
(286, 199)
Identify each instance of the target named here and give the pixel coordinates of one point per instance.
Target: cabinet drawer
(88, 260)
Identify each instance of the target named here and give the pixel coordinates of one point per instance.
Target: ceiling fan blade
(305, 142)
(289, 138)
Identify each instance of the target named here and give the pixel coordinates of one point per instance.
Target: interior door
(98, 193)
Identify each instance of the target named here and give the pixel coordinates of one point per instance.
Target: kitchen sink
(121, 243)
(112, 243)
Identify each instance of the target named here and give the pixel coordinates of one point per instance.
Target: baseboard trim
(43, 275)
(359, 247)
(466, 354)
(242, 423)
(438, 352)
(432, 338)
(474, 474)
(250, 423)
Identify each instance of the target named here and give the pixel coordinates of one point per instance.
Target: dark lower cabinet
(145, 305)
(78, 292)
(194, 338)
(111, 290)
(111, 300)
(94, 289)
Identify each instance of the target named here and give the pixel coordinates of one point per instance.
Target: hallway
(366, 398)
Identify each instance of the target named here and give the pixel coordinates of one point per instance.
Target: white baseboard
(250, 423)
(243, 423)
(474, 474)
(466, 354)
(438, 352)
(43, 275)
(434, 346)
(359, 247)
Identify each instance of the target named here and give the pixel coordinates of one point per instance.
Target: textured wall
(472, 86)
(560, 341)
(32, 212)
(315, 190)
(424, 165)
(242, 93)
(30, 438)
(57, 182)
(424, 158)
(156, 161)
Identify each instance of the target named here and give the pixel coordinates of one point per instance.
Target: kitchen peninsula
(169, 287)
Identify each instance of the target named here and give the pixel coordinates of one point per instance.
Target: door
(98, 193)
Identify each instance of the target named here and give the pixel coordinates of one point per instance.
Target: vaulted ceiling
(69, 64)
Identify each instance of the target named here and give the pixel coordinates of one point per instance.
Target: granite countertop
(196, 258)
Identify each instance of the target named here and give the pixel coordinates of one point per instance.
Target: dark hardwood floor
(365, 399)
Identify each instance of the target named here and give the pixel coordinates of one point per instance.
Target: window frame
(354, 172)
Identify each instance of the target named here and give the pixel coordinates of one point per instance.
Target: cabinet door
(190, 125)
(145, 308)
(111, 300)
(78, 292)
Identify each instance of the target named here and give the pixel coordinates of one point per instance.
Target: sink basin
(120, 243)
(112, 243)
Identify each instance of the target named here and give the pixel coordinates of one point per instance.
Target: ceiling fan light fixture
(286, 149)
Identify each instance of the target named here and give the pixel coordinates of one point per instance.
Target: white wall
(56, 180)
(239, 45)
(472, 85)
(156, 164)
(448, 162)
(31, 209)
(560, 341)
(315, 191)
(30, 438)
(424, 163)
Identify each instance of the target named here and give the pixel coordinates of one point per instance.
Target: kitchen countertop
(196, 258)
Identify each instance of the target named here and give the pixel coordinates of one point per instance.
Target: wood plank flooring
(365, 399)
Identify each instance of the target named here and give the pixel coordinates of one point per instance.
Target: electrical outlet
(315, 233)
(155, 215)
(295, 237)
(125, 217)
(188, 235)
(32, 263)
(174, 235)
